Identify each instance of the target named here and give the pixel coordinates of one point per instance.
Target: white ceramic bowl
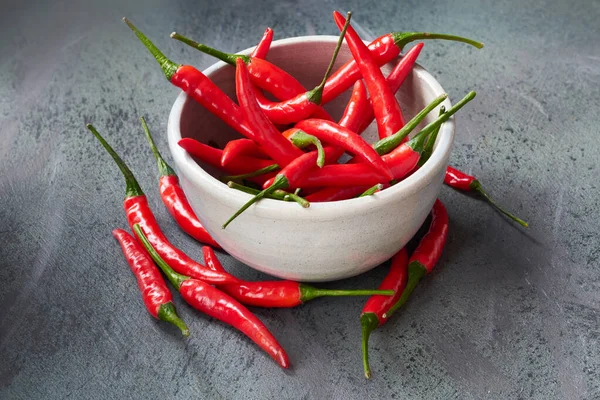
(327, 241)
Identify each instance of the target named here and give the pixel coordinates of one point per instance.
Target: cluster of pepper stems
(303, 156)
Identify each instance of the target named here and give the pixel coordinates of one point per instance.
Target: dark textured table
(509, 313)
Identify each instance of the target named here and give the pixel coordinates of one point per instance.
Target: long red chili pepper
(383, 50)
(394, 81)
(155, 293)
(263, 46)
(239, 147)
(174, 198)
(138, 212)
(217, 304)
(374, 310)
(459, 180)
(266, 134)
(279, 294)
(198, 86)
(336, 193)
(357, 106)
(385, 105)
(305, 104)
(337, 135)
(426, 255)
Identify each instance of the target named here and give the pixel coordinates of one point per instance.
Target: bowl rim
(199, 177)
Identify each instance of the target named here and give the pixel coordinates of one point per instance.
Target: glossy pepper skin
(457, 179)
(426, 255)
(174, 198)
(214, 303)
(383, 50)
(358, 105)
(155, 293)
(263, 46)
(138, 212)
(385, 105)
(373, 313)
(277, 294)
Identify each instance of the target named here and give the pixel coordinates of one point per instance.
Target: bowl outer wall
(327, 241)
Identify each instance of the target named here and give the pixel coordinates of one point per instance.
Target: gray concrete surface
(508, 314)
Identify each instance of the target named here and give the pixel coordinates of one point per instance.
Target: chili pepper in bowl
(279, 294)
(357, 105)
(373, 313)
(459, 180)
(241, 147)
(383, 50)
(263, 46)
(214, 303)
(174, 198)
(155, 293)
(385, 105)
(138, 212)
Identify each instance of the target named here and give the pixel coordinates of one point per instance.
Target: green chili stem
(308, 293)
(315, 95)
(370, 191)
(163, 168)
(428, 149)
(166, 312)
(301, 139)
(225, 57)
(416, 272)
(476, 186)
(173, 277)
(258, 172)
(401, 39)
(168, 67)
(132, 186)
(368, 322)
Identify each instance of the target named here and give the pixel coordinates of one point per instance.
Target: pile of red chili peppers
(290, 151)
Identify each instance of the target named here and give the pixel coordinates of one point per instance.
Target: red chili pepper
(337, 135)
(198, 86)
(373, 313)
(383, 50)
(138, 212)
(385, 105)
(336, 193)
(262, 48)
(264, 74)
(426, 255)
(357, 106)
(394, 80)
(305, 104)
(266, 134)
(241, 147)
(279, 294)
(459, 180)
(217, 304)
(155, 293)
(174, 198)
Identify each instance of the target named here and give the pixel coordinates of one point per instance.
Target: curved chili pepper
(305, 104)
(383, 50)
(337, 135)
(239, 147)
(263, 46)
(264, 74)
(357, 106)
(138, 212)
(394, 80)
(426, 255)
(198, 86)
(385, 105)
(373, 313)
(155, 293)
(279, 294)
(459, 180)
(266, 134)
(214, 303)
(174, 198)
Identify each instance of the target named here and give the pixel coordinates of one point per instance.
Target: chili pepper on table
(214, 303)
(373, 313)
(385, 105)
(383, 50)
(263, 46)
(279, 294)
(462, 181)
(155, 293)
(174, 198)
(426, 255)
(138, 212)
